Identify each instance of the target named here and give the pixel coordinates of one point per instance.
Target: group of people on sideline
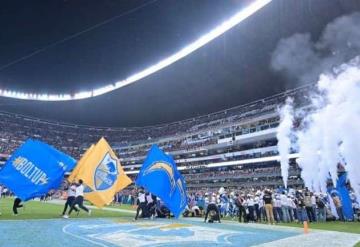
(266, 205)
(273, 206)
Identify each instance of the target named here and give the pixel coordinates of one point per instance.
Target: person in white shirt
(257, 206)
(251, 207)
(313, 203)
(79, 199)
(284, 207)
(195, 211)
(71, 193)
(291, 206)
(141, 201)
(4, 192)
(206, 200)
(151, 205)
(277, 209)
(149, 198)
(212, 207)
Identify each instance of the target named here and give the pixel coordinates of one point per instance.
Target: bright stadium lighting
(103, 90)
(203, 40)
(83, 95)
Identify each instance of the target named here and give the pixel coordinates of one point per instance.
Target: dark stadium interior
(223, 74)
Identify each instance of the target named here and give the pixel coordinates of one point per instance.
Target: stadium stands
(199, 145)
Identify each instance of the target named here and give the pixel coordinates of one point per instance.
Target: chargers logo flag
(34, 169)
(80, 164)
(102, 174)
(160, 176)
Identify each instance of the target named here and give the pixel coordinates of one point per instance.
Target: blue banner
(345, 197)
(160, 176)
(343, 193)
(34, 169)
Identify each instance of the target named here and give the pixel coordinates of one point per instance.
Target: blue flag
(160, 176)
(34, 169)
(344, 194)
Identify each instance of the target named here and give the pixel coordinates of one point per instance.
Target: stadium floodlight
(83, 95)
(203, 40)
(103, 90)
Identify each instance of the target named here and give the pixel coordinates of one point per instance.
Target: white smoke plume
(330, 132)
(303, 60)
(284, 138)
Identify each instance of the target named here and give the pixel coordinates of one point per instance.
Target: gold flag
(101, 172)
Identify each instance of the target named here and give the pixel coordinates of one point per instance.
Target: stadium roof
(231, 70)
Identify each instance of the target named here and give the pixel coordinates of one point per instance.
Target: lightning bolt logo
(167, 168)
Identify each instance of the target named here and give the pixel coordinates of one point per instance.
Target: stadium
(181, 152)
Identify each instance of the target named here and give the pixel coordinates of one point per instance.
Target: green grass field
(123, 206)
(41, 210)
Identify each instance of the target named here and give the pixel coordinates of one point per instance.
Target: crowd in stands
(74, 139)
(225, 153)
(206, 141)
(240, 173)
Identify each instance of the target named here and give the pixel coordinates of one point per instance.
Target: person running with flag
(71, 195)
(141, 201)
(151, 205)
(79, 200)
(17, 204)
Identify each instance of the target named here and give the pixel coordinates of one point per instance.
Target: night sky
(232, 70)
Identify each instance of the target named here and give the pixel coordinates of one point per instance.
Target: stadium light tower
(203, 40)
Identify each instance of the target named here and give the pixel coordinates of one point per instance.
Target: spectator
(309, 207)
(268, 207)
(321, 209)
(284, 207)
(338, 205)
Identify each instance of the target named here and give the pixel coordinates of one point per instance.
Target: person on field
(17, 204)
(239, 202)
(213, 208)
(71, 195)
(79, 200)
(142, 204)
(338, 205)
(268, 201)
(151, 205)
